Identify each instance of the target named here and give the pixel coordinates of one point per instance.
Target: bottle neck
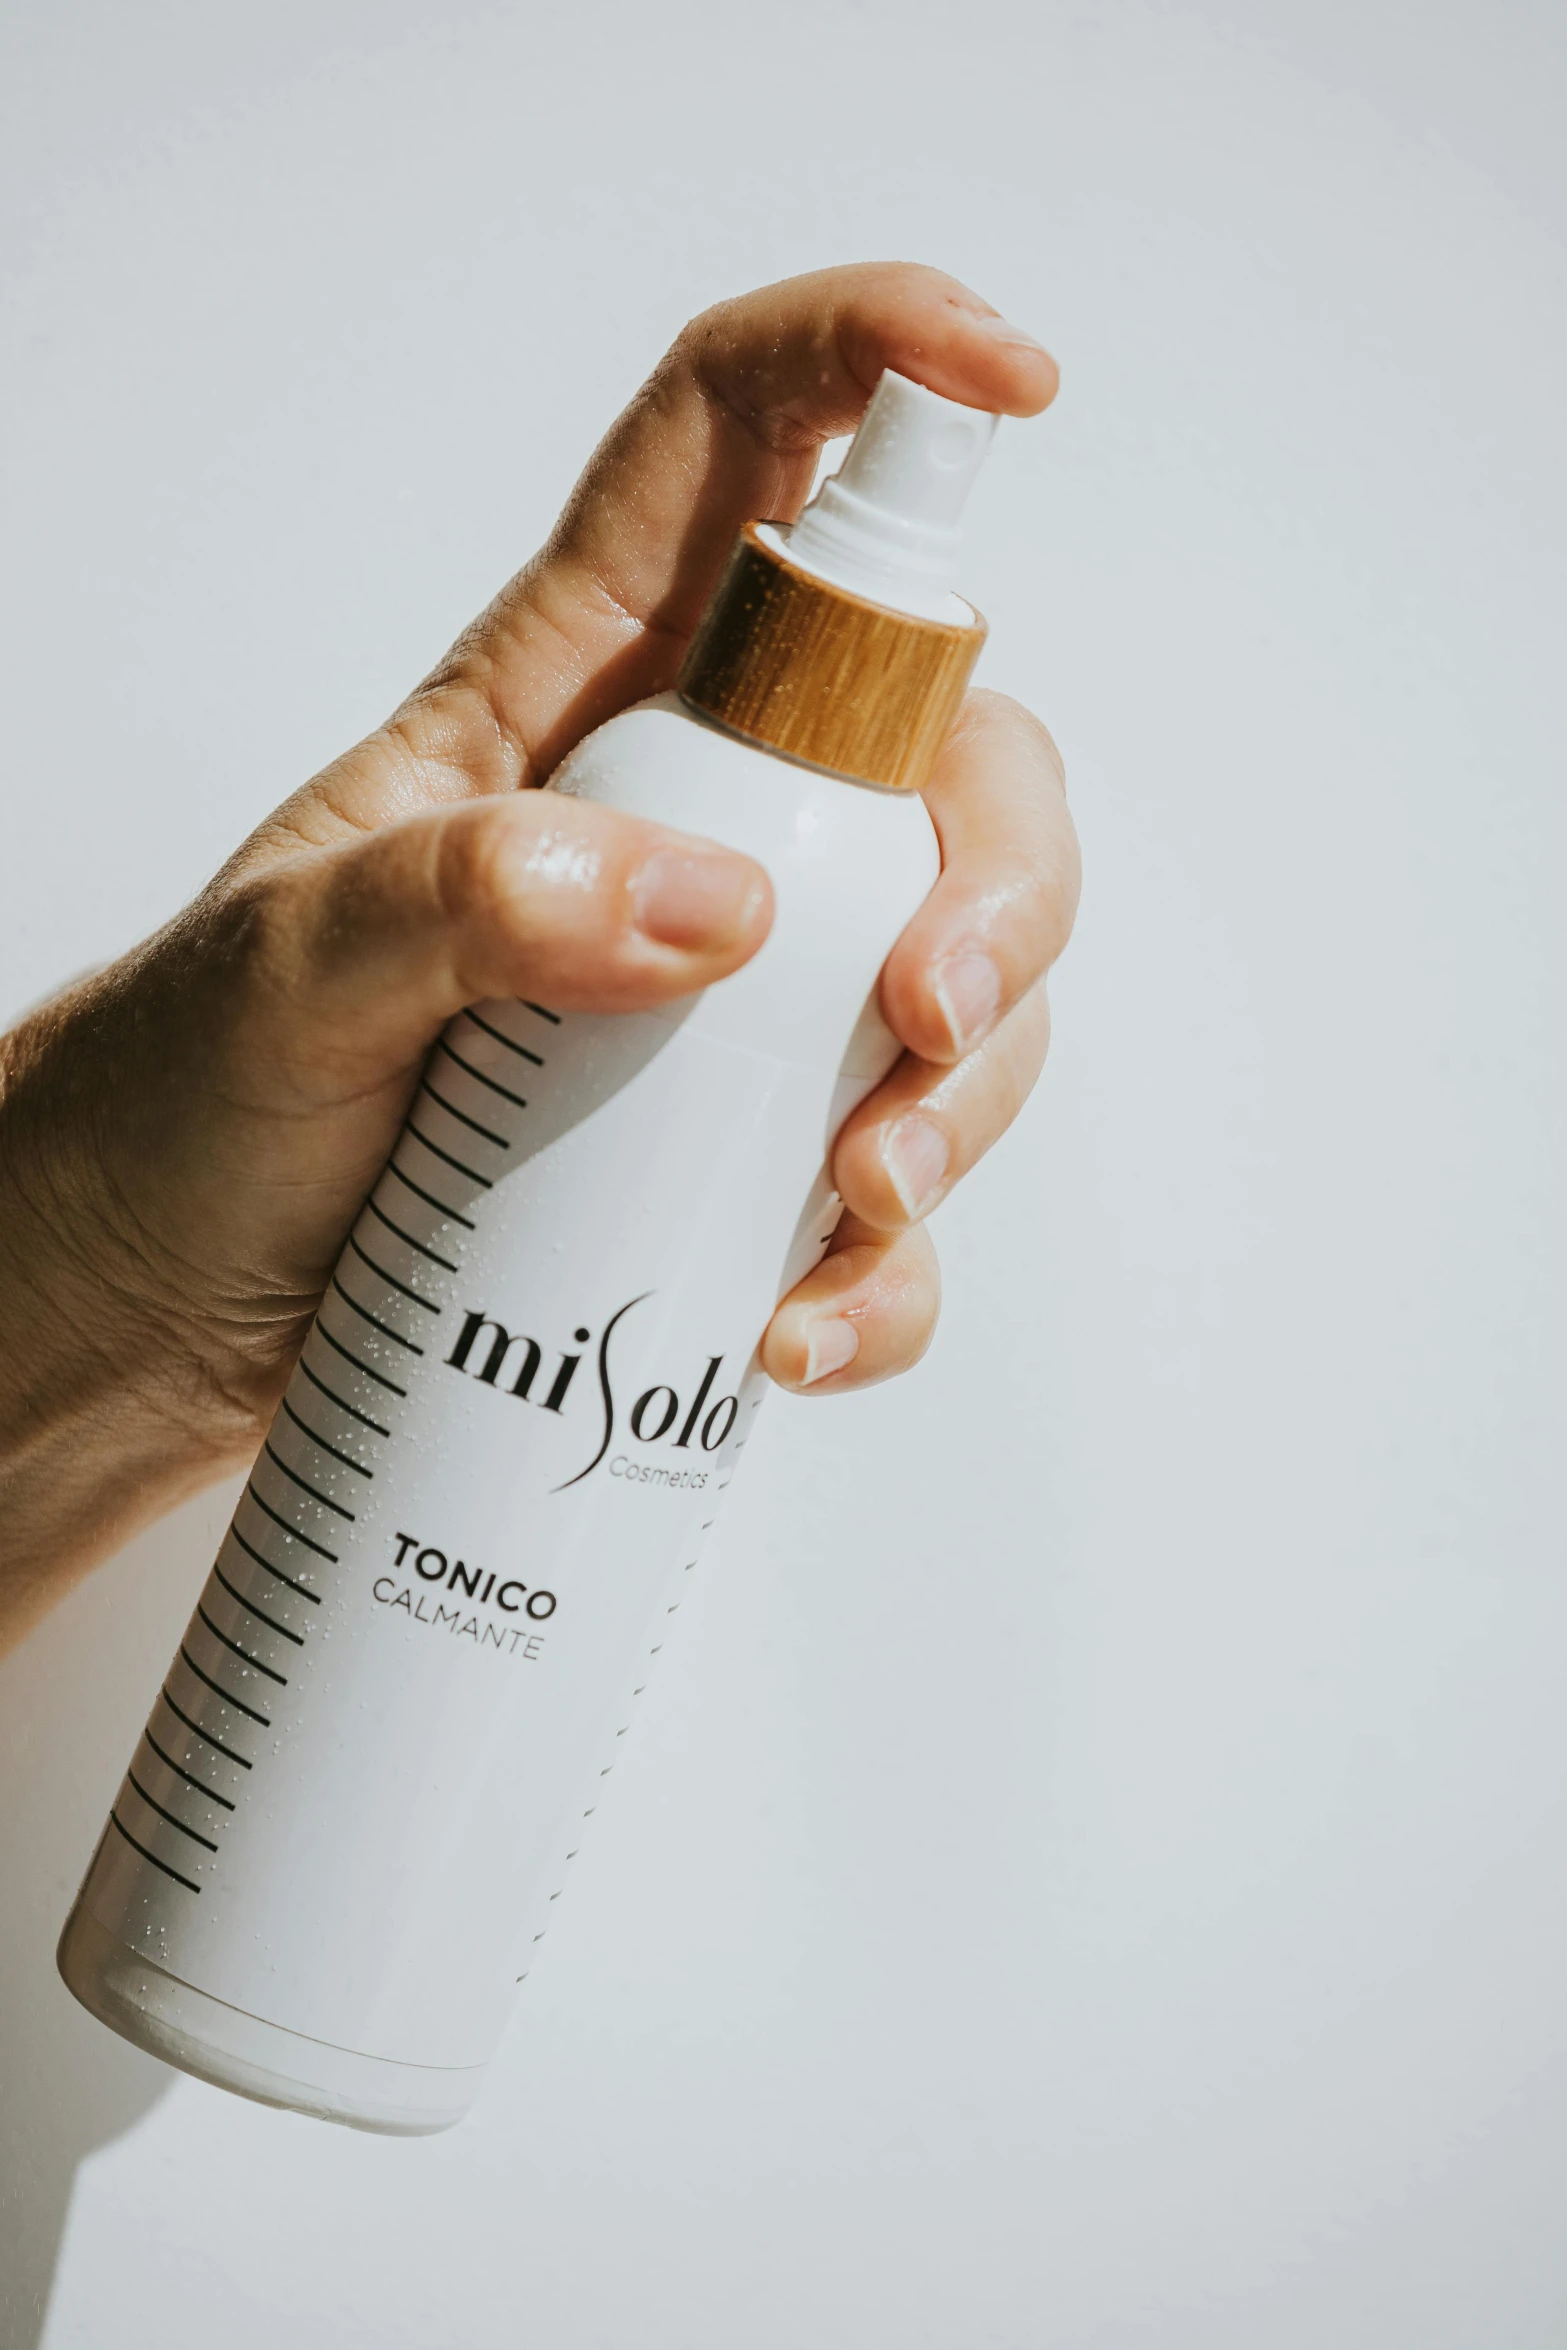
(875, 567)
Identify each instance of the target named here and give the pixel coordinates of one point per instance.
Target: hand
(187, 1136)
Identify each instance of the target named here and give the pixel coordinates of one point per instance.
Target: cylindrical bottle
(474, 1518)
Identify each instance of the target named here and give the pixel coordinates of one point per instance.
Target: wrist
(108, 1414)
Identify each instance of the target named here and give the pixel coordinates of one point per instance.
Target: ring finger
(901, 1152)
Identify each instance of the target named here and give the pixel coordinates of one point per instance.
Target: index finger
(725, 431)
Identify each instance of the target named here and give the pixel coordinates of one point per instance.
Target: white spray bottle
(472, 1521)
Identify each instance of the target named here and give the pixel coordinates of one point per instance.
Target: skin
(186, 1137)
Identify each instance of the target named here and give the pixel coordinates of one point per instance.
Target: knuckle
(918, 278)
(1045, 884)
(979, 1097)
(695, 340)
(475, 865)
(1028, 1033)
(540, 875)
(249, 933)
(915, 1299)
(1045, 755)
(224, 968)
(1020, 1047)
(1036, 906)
(909, 1283)
(700, 354)
(986, 711)
(1005, 764)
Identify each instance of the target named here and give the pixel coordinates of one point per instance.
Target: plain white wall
(1094, 1871)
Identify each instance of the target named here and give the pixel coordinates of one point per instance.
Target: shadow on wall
(72, 1700)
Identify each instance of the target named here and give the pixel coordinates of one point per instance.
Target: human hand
(186, 1137)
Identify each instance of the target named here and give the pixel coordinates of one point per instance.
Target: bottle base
(222, 2044)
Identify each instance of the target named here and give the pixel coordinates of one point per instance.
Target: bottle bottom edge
(234, 2050)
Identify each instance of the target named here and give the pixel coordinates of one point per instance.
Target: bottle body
(477, 1512)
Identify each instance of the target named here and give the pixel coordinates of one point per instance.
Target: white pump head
(886, 524)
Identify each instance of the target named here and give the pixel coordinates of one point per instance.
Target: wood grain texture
(813, 670)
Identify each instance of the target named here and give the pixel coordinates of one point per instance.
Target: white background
(1094, 1872)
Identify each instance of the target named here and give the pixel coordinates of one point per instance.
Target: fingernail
(1002, 330)
(694, 897)
(830, 1345)
(915, 1156)
(968, 989)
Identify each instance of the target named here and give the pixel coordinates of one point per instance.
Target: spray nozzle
(886, 524)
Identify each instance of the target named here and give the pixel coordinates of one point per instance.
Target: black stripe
(365, 1315)
(314, 1597)
(429, 1199)
(168, 1815)
(292, 1531)
(358, 1467)
(391, 1277)
(210, 1793)
(251, 1609)
(295, 1479)
(472, 1173)
(238, 1703)
(352, 1409)
(205, 1736)
(243, 1654)
(445, 1262)
(552, 1017)
(510, 1042)
(452, 1111)
(338, 1348)
(187, 1882)
(492, 1083)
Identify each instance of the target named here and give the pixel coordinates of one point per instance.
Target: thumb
(362, 952)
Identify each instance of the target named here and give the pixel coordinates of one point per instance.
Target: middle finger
(1003, 908)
